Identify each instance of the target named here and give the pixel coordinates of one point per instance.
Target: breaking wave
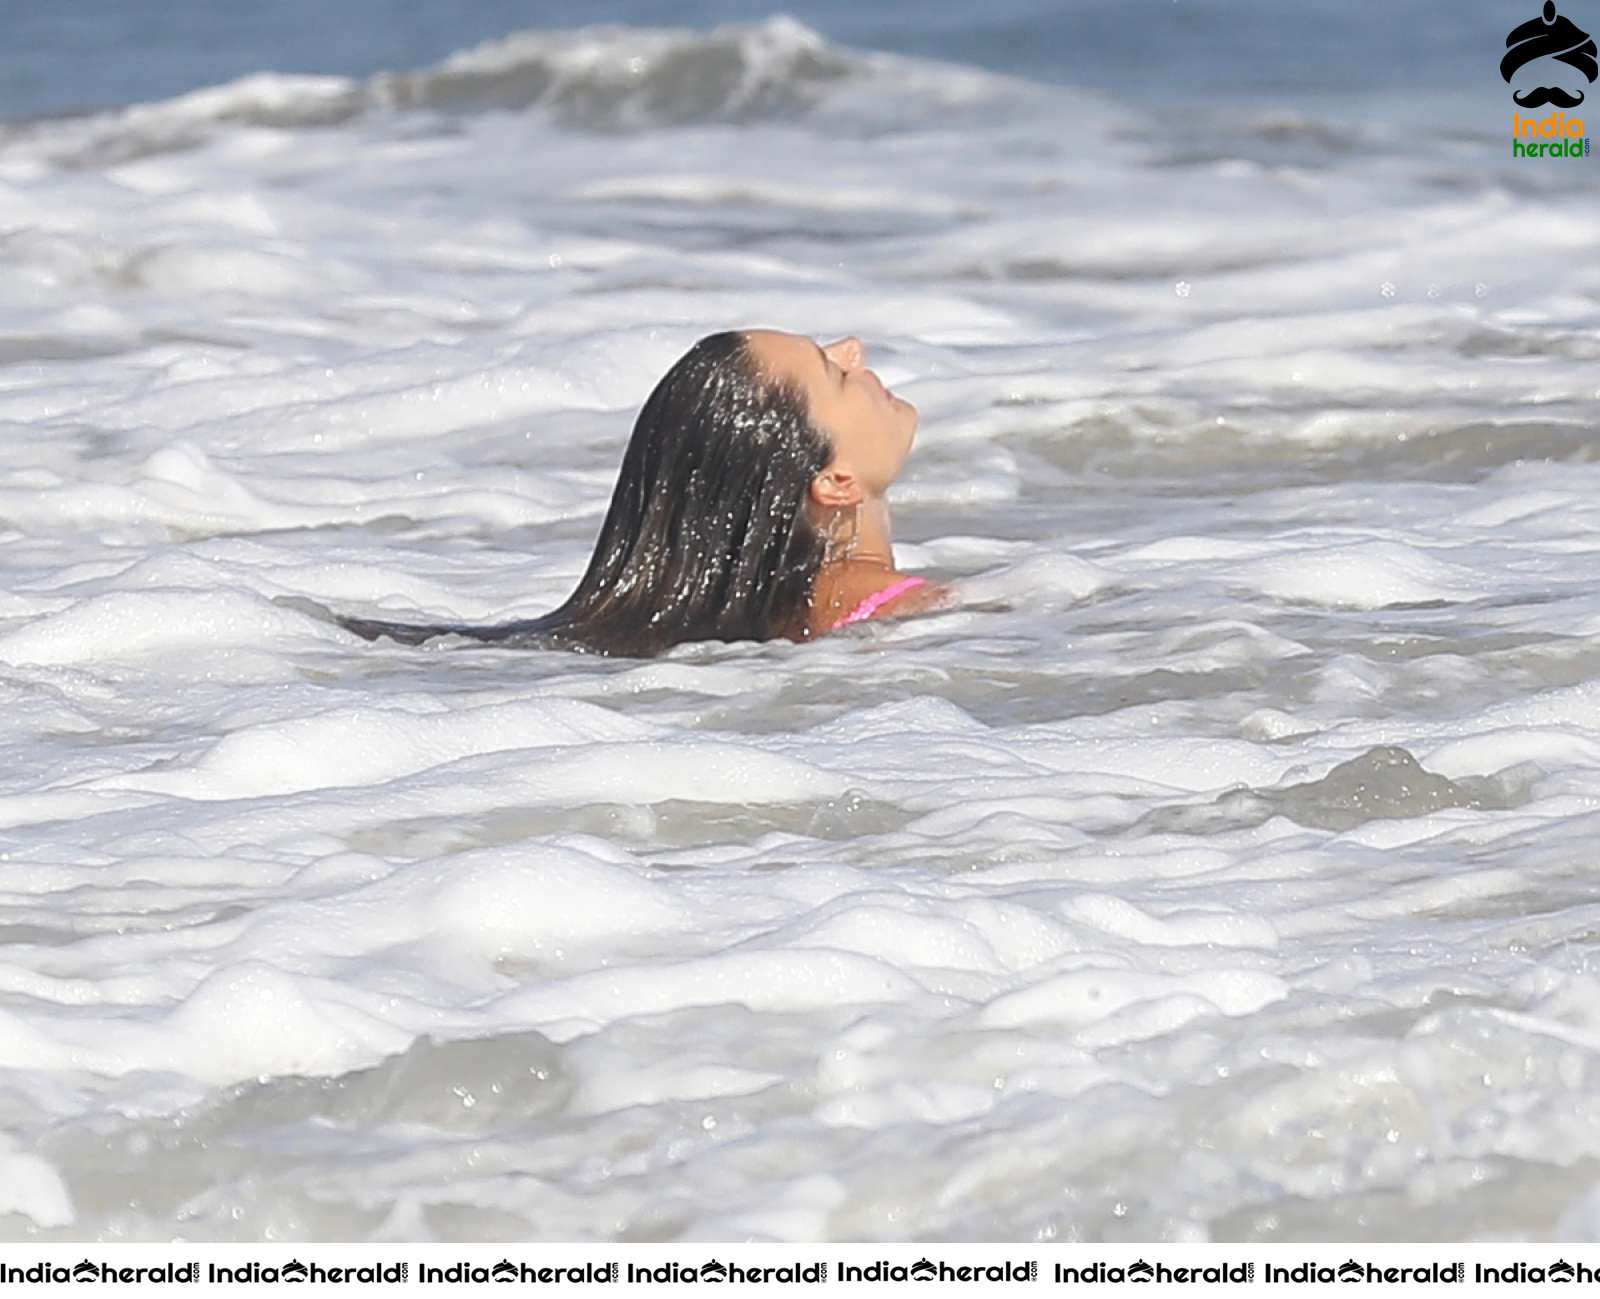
(606, 78)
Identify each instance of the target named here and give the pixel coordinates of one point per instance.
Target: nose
(847, 352)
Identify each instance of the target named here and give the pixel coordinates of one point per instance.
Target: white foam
(1010, 894)
(33, 1187)
(1361, 575)
(124, 624)
(372, 746)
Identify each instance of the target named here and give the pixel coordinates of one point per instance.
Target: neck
(873, 546)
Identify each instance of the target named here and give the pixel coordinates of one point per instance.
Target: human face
(871, 429)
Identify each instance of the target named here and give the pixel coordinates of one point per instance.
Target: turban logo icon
(1550, 36)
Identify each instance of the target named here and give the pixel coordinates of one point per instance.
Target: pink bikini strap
(878, 599)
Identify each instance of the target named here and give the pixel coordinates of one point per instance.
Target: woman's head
(716, 527)
(869, 428)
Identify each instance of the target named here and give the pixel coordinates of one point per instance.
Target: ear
(836, 488)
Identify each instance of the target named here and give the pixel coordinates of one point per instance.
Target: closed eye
(829, 365)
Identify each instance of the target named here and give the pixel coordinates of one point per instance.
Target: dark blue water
(102, 53)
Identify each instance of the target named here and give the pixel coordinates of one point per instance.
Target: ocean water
(1220, 867)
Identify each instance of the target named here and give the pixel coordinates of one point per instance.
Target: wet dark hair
(708, 536)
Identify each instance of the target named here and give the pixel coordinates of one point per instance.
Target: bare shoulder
(847, 586)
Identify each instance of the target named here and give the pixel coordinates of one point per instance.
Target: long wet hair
(709, 535)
